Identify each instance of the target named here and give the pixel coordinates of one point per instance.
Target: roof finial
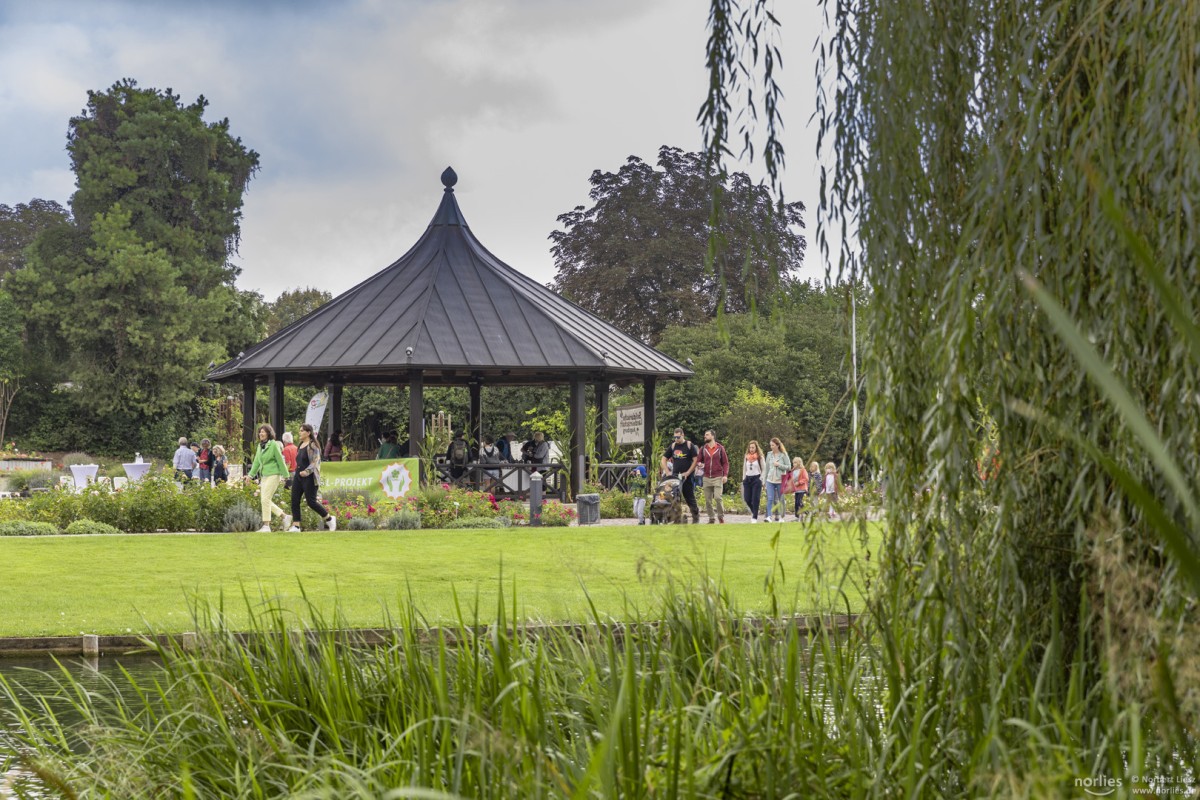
(449, 178)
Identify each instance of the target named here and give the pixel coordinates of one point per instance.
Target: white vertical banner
(316, 409)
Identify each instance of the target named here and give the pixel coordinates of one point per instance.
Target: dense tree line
(798, 355)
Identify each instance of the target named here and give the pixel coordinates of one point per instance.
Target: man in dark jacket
(682, 456)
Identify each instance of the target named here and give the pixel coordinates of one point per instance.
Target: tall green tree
(181, 179)
(639, 255)
(798, 353)
(135, 296)
(20, 225)
(12, 357)
(292, 305)
(129, 333)
(1023, 126)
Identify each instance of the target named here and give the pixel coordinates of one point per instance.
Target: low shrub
(155, 503)
(556, 515)
(212, 503)
(360, 524)
(404, 520)
(13, 509)
(22, 480)
(26, 528)
(616, 505)
(75, 459)
(242, 518)
(439, 505)
(90, 527)
(59, 506)
(474, 522)
(517, 513)
(355, 507)
(97, 502)
(340, 497)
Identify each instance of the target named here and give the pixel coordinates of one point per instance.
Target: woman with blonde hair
(829, 488)
(220, 465)
(270, 468)
(775, 465)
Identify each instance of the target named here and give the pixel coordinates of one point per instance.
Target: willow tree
(973, 142)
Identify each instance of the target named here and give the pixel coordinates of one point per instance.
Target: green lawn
(115, 584)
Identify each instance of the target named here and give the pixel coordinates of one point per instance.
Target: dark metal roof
(461, 310)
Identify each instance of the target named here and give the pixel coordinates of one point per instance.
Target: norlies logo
(1098, 787)
(395, 480)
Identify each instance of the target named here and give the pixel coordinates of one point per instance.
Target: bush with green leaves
(211, 503)
(557, 515)
(27, 528)
(156, 503)
(403, 520)
(341, 497)
(463, 523)
(242, 518)
(616, 505)
(516, 512)
(90, 527)
(22, 480)
(77, 458)
(360, 524)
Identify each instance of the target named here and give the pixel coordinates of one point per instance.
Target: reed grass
(688, 698)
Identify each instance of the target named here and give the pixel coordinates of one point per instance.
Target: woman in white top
(752, 469)
(776, 463)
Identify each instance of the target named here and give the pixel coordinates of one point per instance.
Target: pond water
(40, 678)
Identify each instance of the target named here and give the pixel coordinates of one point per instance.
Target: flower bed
(158, 503)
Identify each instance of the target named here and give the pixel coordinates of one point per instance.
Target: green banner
(387, 478)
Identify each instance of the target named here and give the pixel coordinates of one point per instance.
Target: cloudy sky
(356, 107)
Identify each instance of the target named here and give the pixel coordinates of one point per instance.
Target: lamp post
(854, 376)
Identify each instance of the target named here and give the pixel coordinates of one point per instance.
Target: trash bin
(588, 506)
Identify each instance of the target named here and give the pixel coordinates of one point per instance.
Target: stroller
(667, 505)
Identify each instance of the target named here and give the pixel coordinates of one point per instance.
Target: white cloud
(356, 108)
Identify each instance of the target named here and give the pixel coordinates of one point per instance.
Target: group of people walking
(773, 469)
(783, 476)
(296, 465)
(202, 462)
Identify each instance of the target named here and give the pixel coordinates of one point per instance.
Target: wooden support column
(416, 413)
(475, 423)
(335, 411)
(248, 426)
(603, 426)
(579, 432)
(277, 404)
(651, 422)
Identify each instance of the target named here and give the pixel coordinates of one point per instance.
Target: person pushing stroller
(683, 456)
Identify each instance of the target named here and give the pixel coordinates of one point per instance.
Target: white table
(137, 471)
(83, 474)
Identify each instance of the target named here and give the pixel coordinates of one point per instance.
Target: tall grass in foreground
(693, 702)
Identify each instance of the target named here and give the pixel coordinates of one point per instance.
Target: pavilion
(449, 313)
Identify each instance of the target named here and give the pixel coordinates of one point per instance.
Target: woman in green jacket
(270, 467)
(776, 463)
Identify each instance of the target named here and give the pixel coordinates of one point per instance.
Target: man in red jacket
(716, 472)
